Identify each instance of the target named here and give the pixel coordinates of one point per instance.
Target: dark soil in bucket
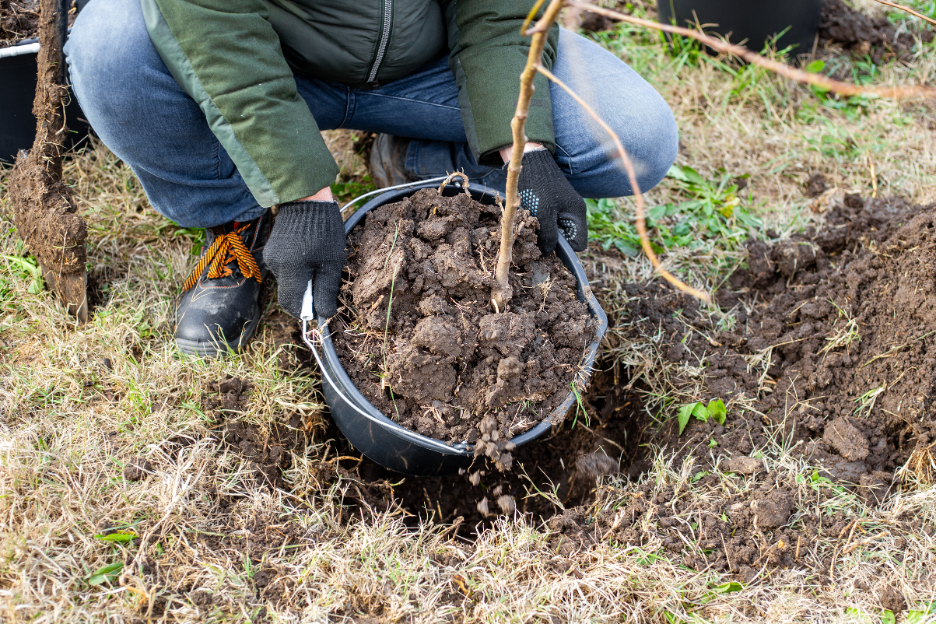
(420, 338)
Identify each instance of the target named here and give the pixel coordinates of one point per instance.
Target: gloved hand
(307, 243)
(549, 197)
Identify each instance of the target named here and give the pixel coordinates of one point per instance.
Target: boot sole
(218, 348)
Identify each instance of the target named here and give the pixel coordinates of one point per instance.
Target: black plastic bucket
(396, 447)
(18, 70)
(755, 22)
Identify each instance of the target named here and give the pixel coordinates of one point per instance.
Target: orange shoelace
(225, 249)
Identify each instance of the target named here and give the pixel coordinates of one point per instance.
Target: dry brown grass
(77, 403)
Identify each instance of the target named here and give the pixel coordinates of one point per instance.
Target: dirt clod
(596, 464)
(865, 36)
(846, 439)
(892, 600)
(595, 22)
(816, 185)
(506, 503)
(773, 510)
(19, 19)
(744, 465)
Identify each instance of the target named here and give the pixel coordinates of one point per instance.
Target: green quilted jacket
(236, 58)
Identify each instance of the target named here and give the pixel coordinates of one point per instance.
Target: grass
(78, 403)
(845, 335)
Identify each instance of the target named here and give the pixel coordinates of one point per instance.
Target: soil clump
(137, 469)
(422, 342)
(863, 35)
(19, 20)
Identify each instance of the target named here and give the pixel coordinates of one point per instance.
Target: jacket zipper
(384, 40)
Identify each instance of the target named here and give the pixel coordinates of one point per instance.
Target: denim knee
(651, 144)
(652, 148)
(107, 52)
(651, 165)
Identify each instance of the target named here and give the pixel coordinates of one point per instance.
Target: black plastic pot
(755, 22)
(17, 90)
(396, 447)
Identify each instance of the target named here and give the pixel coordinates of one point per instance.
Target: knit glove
(547, 194)
(307, 243)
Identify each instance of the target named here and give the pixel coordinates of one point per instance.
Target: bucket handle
(307, 314)
(452, 176)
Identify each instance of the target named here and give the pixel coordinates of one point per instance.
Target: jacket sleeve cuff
(487, 91)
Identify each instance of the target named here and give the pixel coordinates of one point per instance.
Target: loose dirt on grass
(834, 344)
(423, 343)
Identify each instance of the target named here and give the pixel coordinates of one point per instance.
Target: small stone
(137, 468)
(744, 465)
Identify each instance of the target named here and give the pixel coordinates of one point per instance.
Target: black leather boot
(220, 304)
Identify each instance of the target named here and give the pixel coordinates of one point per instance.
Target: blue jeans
(139, 111)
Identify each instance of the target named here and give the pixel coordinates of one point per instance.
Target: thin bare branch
(638, 196)
(908, 10)
(501, 292)
(842, 88)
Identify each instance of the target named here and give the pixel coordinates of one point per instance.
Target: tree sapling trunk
(501, 293)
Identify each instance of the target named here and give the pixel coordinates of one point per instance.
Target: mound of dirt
(836, 342)
(423, 343)
(850, 337)
(863, 35)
